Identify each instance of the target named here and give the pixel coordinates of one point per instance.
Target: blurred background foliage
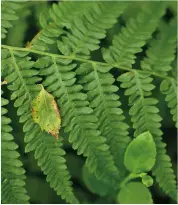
(86, 187)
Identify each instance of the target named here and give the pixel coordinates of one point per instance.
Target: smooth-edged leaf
(140, 154)
(45, 112)
(135, 193)
(147, 180)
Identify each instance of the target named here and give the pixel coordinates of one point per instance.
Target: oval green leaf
(45, 112)
(140, 155)
(134, 193)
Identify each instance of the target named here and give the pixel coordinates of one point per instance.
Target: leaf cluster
(87, 92)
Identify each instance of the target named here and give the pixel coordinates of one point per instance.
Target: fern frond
(145, 117)
(132, 37)
(50, 156)
(20, 26)
(60, 16)
(85, 33)
(169, 88)
(159, 58)
(77, 117)
(8, 14)
(81, 38)
(18, 72)
(85, 89)
(13, 174)
(162, 49)
(98, 83)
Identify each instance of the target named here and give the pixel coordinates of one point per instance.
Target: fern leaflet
(9, 9)
(169, 88)
(13, 177)
(132, 37)
(144, 115)
(55, 23)
(78, 118)
(78, 41)
(18, 72)
(85, 33)
(86, 92)
(159, 58)
(161, 51)
(98, 83)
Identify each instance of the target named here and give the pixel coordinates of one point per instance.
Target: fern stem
(85, 61)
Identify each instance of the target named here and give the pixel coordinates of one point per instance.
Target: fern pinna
(13, 177)
(88, 94)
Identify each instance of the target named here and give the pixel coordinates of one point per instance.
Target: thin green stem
(127, 179)
(130, 177)
(85, 61)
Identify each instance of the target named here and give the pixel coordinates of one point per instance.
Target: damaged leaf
(45, 112)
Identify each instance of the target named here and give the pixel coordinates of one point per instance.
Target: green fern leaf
(21, 79)
(77, 117)
(13, 174)
(50, 156)
(83, 37)
(8, 9)
(98, 83)
(169, 88)
(161, 51)
(85, 33)
(86, 91)
(20, 26)
(145, 117)
(159, 58)
(56, 21)
(132, 37)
